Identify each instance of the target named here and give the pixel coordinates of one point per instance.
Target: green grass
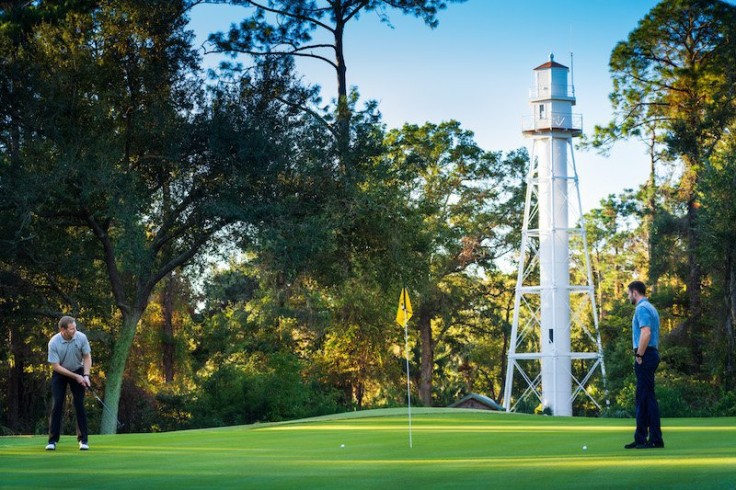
(452, 449)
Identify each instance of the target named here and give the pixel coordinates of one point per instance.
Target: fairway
(452, 449)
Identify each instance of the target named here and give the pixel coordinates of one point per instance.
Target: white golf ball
(342, 445)
(585, 448)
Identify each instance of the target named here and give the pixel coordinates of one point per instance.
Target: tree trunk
(693, 322)
(13, 106)
(167, 334)
(343, 110)
(426, 357)
(359, 392)
(694, 282)
(730, 320)
(116, 370)
(15, 379)
(342, 84)
(652, 204)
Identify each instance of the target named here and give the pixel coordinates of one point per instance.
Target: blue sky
(476, 67)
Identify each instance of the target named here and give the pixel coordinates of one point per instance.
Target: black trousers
(647, 408)
(59, 383)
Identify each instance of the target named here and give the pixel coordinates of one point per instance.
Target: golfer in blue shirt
(645, 336)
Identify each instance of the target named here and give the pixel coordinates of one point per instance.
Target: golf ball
(342, 445)
(585, 448)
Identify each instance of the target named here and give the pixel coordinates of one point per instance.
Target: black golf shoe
(636, 445)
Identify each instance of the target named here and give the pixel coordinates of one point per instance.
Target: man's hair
(66, 321)
(639, 287)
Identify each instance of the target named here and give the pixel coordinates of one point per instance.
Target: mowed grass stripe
(452, 449)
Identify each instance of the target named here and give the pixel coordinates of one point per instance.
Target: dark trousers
(59, 383)
(647, 408)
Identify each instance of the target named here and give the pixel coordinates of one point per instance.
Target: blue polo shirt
(645, 315)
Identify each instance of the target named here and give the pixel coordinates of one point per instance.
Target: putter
(120, 425)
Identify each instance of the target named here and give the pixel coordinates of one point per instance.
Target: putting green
(451, 449)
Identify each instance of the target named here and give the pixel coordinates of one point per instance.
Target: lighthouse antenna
(572, 72)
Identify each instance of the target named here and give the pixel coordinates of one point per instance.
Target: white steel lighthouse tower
(555, 344)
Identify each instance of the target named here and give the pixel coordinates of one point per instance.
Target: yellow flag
(404, 312)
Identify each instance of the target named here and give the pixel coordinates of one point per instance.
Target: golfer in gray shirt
(71, 359)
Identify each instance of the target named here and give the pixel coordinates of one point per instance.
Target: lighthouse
(555, 342)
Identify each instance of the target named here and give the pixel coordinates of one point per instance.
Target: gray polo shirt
(69, 353)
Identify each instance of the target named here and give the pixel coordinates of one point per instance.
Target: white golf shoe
(83, 446)
(51, 446)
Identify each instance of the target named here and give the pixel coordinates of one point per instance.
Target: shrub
(261, 390)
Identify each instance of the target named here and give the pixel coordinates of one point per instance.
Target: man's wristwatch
(638, 355)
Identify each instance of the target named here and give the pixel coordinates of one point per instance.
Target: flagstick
(402, 318)
(408, 386)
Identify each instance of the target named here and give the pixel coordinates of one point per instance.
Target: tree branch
(162, 235)
(175, 262)
(283, 53)
(311, 113)
(286, 13)
(360, 6)
(116, 281)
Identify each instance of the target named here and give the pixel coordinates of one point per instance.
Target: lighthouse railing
(554, 120)
(553, 90)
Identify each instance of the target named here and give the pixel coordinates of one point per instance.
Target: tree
(718, 252)
(134, 157)
(40, 274)
(467, 203)
(288, 27)
(673, 72)
(329, 263)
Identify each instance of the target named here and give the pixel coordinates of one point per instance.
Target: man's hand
(83, 380)
(646, 334)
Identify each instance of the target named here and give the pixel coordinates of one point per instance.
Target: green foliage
(462, 205)
(725, 405)
(118, 95)
(673, 88)
(120, 167)
(681, 396)
(672, 67)
(259, 390)
(718, 253)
